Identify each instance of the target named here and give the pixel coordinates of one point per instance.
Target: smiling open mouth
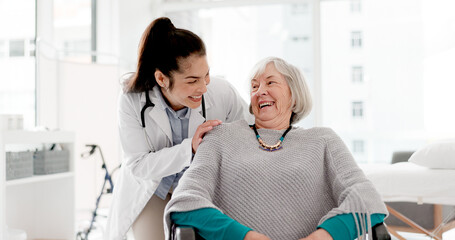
(265, 104)
(195, 99)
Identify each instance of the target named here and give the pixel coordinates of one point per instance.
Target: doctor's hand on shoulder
(201, 131)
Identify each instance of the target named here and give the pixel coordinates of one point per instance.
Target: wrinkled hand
(319, 234)
(252, 235)
(201, 131)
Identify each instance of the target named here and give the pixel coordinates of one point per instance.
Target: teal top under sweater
(211, 224)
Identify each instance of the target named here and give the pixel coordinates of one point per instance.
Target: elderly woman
(273, 180)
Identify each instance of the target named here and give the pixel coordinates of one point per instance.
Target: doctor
(165, 110)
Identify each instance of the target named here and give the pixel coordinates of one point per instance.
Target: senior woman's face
(271, 99)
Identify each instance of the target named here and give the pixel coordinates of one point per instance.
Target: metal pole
(93, 35)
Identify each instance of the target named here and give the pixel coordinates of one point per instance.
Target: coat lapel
(159, 116)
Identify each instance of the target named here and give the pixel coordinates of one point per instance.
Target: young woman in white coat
(165, 110)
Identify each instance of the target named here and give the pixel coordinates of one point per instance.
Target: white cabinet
(43, 206)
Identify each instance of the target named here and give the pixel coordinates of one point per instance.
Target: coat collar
(158, 113)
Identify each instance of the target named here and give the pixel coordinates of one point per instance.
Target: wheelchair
(379, 232)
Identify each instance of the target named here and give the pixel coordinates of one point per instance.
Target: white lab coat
(142, 170)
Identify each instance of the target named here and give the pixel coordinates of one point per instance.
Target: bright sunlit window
(357, 109)
(357, 74)
(356, 39)
(16, 48)
(356, 6)
(358, 146)
(386, 66)
(17, 61)
(72, 30)
(238, 37)
(404, 56)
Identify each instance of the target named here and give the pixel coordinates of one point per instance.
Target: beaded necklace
(266, 147)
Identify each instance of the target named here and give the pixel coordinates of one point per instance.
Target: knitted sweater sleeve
(197, 186)
(350, 189)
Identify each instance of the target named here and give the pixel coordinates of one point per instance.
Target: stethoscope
(148, 103)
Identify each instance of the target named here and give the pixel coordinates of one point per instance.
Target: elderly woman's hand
(252, 235)
(319, 234)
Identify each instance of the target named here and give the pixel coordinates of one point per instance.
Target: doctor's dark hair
(162, 47)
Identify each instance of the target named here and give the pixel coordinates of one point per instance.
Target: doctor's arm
(137, 156)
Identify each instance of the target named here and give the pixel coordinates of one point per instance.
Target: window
(356, 39)
(416, 63)
(356, 6)
(2, 48)
(358, 146)
(301, 8)
(32, 47)
(238, 37)
(17, 66)
(16, 48)
(300, 38)
(72, 29)
(357, 74)
(357, 109)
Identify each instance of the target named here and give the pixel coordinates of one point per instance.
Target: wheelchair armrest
(379, 232)
(183, 233)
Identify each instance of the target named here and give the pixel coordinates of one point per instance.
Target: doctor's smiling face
(189, 82)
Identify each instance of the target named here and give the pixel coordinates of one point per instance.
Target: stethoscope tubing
(148, 103)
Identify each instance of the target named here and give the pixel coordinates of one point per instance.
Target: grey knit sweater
(283, 194)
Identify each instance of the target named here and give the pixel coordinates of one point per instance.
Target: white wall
(88, 106)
